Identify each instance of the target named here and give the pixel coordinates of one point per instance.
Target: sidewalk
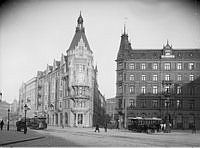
(12, 136)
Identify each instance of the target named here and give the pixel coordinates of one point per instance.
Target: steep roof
(80, 33)
(126, 52)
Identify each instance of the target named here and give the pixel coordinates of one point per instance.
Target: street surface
(56, 136)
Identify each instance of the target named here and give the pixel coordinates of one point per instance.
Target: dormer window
(167, 51)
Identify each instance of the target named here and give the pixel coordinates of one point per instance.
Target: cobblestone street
(56, 136)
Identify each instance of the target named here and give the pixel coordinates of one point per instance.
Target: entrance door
(80, 119)
(61, 119)
(56, 119)
(66, 118)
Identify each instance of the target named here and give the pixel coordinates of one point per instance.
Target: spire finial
(80, 12)
(124, 28)
(167, 42)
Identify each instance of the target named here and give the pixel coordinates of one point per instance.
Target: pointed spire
(80, 19)
(124, 28)
(167, 42)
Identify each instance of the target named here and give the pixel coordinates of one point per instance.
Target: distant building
(4, 106)
(162, 83)
(27, 95)
(67, 93)
(14, 106)
(111, 105)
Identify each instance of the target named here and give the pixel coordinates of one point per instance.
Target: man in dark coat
(97, 128)
(2, 123)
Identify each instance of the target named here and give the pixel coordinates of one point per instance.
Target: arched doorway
(56, 119)
(179, 121)
(66, 118)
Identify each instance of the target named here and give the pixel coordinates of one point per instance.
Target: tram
(37, 123)
(145, 125)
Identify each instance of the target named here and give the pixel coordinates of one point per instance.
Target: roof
(80, 33)
(126, 52)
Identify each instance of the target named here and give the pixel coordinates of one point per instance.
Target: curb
(18, 141)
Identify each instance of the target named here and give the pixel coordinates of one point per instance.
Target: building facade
(163, 83)
(111, 105)
(27, 95)
(67, 92)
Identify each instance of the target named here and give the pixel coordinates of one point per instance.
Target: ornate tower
(122, 56)
(81, 73)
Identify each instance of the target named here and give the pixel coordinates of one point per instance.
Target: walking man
(105, 127)
(2, 123)
(97, 128)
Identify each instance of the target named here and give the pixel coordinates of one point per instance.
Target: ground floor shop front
(177, 119)
(70, 118)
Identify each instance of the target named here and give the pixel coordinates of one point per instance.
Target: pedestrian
(97, 128)
(2, 123)
(105, 127)
(193, 129)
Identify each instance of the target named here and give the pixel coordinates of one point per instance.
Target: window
(131, 66)
(166, 89)
(120, 89)
(155, 77)
(155, 103)
(120, 77)
(167, 77)
(167, 66)
(179, 66)
(143, 66)
(178, 89)
(124, 76)
(60, 105)
(143, 89)
(179, 77)
(167, 103)
(191, 66)
(131, 77)
(132, 89)
(178, 104)
(191, 78)
(132, 103)
(155, 66)
(155, 89)
(191, 104)
(143, 77)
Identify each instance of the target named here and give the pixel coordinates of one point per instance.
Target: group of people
(2, 123)
(97, 127)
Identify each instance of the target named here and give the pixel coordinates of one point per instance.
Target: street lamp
(167, 122)
(0, 96)
(25, 109)
(8, 119)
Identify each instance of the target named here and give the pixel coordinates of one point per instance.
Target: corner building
(163, 83)
(67, 92)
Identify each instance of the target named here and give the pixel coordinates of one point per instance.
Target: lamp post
(167, 122)
(25, 110)
(8, 119)
(0, 96)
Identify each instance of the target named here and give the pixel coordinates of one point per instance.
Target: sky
(35, 32)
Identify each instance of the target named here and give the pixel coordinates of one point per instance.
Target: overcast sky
(35, 32)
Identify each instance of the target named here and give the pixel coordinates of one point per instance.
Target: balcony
(81, 96)
(80, 109)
